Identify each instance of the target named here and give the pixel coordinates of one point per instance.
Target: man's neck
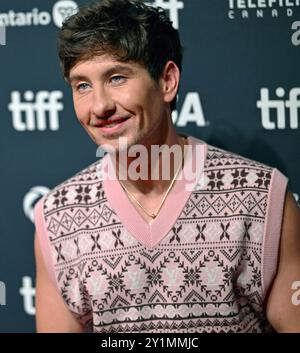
(170, 166)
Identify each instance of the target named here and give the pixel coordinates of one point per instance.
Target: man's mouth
(116, 122)
(111, 123)
(111, 126)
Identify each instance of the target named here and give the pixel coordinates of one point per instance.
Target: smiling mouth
(111, 124)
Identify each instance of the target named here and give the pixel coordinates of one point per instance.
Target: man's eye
(82, 86)
(117, 79)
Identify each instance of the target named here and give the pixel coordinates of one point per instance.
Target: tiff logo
(265, 104)
(2, 293)
(173, 6)
(296, 34)
(32, 114)
(2, 35)
(27, 291)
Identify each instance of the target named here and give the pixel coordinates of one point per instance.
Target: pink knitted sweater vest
(204, 265)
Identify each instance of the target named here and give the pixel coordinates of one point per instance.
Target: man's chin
(118, 145)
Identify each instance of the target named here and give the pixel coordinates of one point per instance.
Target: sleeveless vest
(204, 265)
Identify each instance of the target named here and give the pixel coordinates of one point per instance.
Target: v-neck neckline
(151, 234)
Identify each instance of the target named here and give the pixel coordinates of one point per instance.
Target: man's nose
(103, 105)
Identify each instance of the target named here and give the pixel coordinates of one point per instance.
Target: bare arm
(52, 314)
(281, 312)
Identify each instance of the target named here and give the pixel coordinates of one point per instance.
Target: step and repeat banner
(240, 91)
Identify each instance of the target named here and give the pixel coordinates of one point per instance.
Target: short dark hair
(129, 30)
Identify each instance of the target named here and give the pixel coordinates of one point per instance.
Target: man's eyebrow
(114, 69)
(118, 68)
(74, 78)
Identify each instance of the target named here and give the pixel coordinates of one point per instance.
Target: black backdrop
(240, 90)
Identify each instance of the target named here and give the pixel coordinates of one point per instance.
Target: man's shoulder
(225, 169)
(89, 175)
(218, 157)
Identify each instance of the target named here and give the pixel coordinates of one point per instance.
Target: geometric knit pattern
(204, 276)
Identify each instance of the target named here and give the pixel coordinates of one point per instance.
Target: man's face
(114, 99)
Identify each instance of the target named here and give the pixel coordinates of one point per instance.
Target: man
(219, 252)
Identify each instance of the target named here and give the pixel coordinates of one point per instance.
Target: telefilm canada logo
(244, 9)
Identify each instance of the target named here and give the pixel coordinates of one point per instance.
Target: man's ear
(170, 81)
